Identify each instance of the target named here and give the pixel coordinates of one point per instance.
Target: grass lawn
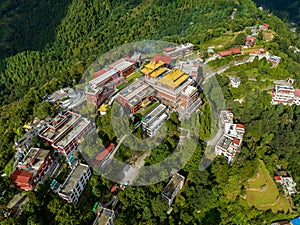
(133, 76)
(122, 86)
(219, 43)
(147, 109)
(262, 192)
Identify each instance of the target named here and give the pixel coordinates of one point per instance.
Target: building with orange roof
(32, 169)
(165, 59)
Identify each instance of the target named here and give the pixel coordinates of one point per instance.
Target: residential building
(75, 183)
(235, 81)
(275, 60)
(15, 205)
(97, 95)
(230, 143)
(173, 187)
(284, 93)
(105, 217)
(288, 184)
(179, 51)
(250, 41)
(32, 169)
(134, 95)
(263, 27)
(255, 51)
(226, 116)
(154, 119)
(281, 222)
(64, 131)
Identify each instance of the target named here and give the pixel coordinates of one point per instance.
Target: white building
(285, 93)
(75, 183)
(230, 143)
(235, 81)
(288, 184)
(154, 120)
(179, 51)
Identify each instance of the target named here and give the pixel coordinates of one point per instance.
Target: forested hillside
(88, 29)
(45, 45)
(287, 9)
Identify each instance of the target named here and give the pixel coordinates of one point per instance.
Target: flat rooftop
(40, 158)
(122, 65)
(17, 201)
(68, 120)
(104, 216)
(72, 179)
(158, 121)
(77, 128)
(172, 185)
(103, 77)
(154, 113)
(190, 90)
(133, 90)
(224, 142)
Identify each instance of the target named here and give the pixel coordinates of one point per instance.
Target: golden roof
(158, 72)
(174, 78)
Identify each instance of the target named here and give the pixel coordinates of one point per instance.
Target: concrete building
(284, 93)
(133, 96)
(154, 120)
(172, 188)
(64, 131)
(230, 143)
(250, 41)
(288, 184)
(105, 217)
(275, 60)
(107, 80)
(179, 51)
(75, 183)
(32, 169)
(235, 81)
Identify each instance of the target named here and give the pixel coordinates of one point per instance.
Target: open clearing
(262, 192)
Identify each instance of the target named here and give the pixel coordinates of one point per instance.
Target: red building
(165, 59)
(103, 155)
(64, 131)
(231, 51)
(32, 169)
(107, 80)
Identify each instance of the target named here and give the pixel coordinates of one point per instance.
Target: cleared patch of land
(262, 192)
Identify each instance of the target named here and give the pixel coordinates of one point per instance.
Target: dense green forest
(288, 9)
(44, 45)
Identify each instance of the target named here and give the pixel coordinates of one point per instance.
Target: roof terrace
(76, 129)
(73, 178)
(172, 185)
(54, 133)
